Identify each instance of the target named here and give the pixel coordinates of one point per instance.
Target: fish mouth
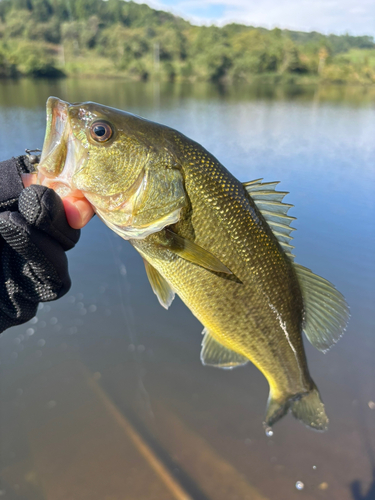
(62, 155)
(54, 152)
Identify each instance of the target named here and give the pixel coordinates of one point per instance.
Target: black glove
(34, 236)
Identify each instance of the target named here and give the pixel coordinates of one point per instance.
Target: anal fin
(215, 354)
(159, 285)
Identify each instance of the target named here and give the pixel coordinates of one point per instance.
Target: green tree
(138, 41)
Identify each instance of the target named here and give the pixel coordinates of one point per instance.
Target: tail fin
(307, 407)
(310, 410)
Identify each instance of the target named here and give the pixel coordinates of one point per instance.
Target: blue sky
(356, 17)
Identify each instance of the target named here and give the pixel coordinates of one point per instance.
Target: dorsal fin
(269, 202)
(215, 354)
(326, 311)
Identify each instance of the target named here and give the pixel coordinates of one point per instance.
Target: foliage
(117, 37)
(30, 59)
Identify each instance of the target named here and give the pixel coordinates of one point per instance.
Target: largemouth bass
(221, 245)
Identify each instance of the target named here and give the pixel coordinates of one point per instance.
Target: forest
(117, 38)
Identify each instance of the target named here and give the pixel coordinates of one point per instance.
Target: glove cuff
(11, 181)
(11, 184)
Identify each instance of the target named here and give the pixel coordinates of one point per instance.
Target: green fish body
(222, 246)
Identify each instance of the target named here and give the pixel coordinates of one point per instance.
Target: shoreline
(267, 79)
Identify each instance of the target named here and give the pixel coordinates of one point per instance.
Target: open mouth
(54, 147)
(59, 159)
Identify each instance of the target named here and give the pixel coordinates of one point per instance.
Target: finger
(28, 179)
(78, 211)
(43, 209)
(47, 276)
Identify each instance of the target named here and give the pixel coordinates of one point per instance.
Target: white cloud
(325, 16)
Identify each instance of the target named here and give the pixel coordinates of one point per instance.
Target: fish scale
(237, 314)
(222, 246)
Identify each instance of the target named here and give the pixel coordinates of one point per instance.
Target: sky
(356, 17)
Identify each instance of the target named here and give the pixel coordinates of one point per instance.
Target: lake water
(103, 396)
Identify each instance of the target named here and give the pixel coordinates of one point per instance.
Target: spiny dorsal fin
(326, 311)
(159, 285)
(215, 354)
(273, 210)
(194, 253)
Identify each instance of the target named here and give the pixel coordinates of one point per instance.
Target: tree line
(121, 38)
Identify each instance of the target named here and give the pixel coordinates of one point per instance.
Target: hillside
(120, 38)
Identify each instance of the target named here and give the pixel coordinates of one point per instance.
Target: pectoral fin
(159, 285)
(215, 354)
(194, 253)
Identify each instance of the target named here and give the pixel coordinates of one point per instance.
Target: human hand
(34, 237)
(78, 211)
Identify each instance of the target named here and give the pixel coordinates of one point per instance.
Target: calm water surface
(103, 395)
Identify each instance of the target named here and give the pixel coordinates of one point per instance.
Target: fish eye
(101, 131)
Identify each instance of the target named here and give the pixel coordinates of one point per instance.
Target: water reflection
(32, 94)
(58, 437)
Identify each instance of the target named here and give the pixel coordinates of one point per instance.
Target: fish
(223, 246)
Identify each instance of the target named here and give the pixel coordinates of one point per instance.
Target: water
(104, 396)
